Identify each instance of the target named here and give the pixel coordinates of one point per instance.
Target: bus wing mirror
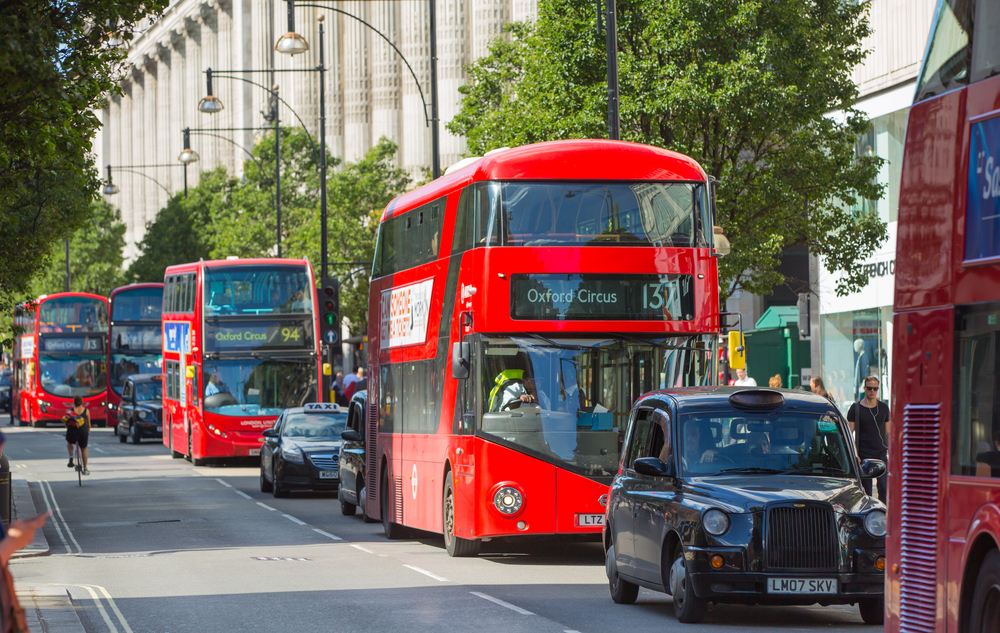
(460, 360)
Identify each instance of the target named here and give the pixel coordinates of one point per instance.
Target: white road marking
(55, 522)
(59, 513)
(327, 534)
(98, 449)
(267, 507)
(363, 549)
(244, 495)
(27, 451)
(114, 607)
(427, 573)
(500, 602)
(293, 519)
(100, 606)
(224, 483)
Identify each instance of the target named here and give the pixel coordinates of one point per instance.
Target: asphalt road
(150, 543)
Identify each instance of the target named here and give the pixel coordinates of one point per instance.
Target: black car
(743, 496)
(141, 411)
(302, 450)
(353, 464)
(5, 391)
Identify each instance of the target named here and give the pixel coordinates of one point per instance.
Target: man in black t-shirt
(869, 420)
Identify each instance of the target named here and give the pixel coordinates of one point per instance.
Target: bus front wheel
(986, 599)
(456, 546)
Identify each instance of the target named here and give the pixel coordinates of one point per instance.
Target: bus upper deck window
(946, 61)
(986, 41)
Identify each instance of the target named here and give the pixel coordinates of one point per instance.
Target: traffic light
(329, 310)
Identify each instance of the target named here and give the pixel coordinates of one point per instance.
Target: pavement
(47, 609)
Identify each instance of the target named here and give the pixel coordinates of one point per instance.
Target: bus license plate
(801, 585)
(254, 452)
(328, 474)
(590, 520)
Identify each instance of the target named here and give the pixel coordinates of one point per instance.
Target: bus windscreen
(258, 387)
(68, 376)
(243, 290)
(139, 304)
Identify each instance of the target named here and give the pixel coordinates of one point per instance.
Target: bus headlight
(508, 500)
(875, 523)
(715, 522)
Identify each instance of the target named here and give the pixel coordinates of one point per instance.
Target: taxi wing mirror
(352, 436)
(653, 467)
(461, 358)
(872, 468)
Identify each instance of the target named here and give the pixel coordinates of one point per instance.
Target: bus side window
(487, 214)
(464, 223)
(986, 41)
(946, 64)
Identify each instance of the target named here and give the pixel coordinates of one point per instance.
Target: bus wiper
(815, 469)
(549, 341)
(750, 470)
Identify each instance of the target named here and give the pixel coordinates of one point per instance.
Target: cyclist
(77, 423)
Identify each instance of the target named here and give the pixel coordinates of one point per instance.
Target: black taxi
(743, 496)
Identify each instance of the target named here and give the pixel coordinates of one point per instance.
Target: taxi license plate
(802, 585)
(590, 520)
(254, 452)
(328, 474)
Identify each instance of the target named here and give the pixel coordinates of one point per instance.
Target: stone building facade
(370, 93)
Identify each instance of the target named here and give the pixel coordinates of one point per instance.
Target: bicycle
(78, 460)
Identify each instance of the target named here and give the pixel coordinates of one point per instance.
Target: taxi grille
(325, 462)
(801, 538)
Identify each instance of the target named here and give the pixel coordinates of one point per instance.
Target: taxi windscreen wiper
(750, 470)
(816, 469)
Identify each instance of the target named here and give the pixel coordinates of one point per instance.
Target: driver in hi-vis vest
(512, 389)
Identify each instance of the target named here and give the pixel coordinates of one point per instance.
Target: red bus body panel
(417, 464)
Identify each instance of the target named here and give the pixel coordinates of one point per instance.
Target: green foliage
(742, 86)
(181, 231)
(95, 256)
(56, 71)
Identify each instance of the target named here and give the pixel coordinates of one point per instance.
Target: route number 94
(290, 334)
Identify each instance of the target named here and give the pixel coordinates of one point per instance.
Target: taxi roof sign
(322, 407)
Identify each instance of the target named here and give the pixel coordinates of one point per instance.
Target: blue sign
(177, 337)
(330, 336)
(982, 213)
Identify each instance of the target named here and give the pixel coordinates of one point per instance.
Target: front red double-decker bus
(943, 541)
(60, 355)
(240, 344)
(134, 341)
(518, 307)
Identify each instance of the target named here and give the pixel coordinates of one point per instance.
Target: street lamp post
(186, 157)
(611, 47)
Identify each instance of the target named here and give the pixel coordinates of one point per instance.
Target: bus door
(466, 421)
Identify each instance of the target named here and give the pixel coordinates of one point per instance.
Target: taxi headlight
(293, 455)
(142, 415)
(875, 523)
(715, 522)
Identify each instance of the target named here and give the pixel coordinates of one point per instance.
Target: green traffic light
(330, 318)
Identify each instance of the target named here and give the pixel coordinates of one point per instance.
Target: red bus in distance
(943, 542)
(134, 339)
(240, 344)
(60, 354)
(518, 306)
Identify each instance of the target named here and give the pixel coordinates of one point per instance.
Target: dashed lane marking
(500, 602)
(244, 495)
(427, 573)
(224, 483)
(293, 519)
(327, 534)
(363, 549)
(267, 507)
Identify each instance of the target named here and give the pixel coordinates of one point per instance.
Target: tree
(741, 86)
(96, 256)
(56, 69)
(181, 231)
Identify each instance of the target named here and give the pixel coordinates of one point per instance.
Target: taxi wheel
(134, 432)
(688, 608)
(347, 509)
(121, 436)
(622, 591)
(265, 485)
(986, 599)
(873, 610)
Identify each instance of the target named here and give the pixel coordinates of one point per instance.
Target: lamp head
(210, 105)
(291, 43)
(188, 156)
(110, 189)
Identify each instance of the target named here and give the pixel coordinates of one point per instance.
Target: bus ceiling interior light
(292, 43)
(209, 104)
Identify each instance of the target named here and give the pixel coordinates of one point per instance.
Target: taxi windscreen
(799, 444)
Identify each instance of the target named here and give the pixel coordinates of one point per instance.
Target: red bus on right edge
(943, 544)
(518, 306)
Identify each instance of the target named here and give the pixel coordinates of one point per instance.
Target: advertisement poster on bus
(404, 314)
(982, 218)
(27, 346)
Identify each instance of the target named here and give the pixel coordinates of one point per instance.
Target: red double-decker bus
(240, 344)
(518, 306)
(943, 544)
(134, 339)
(59, 355)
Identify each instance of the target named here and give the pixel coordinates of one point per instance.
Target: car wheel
(393, 531)
(277, 490)
(986, 598)
(688, 608)
(346, 508)
(622, 591)
(265, 485)
(456, 546)
(873, 611)
(121, 436)
(134, 432)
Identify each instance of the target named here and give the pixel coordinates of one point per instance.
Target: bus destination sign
(70, 344)
(582, 297)
(254, 336)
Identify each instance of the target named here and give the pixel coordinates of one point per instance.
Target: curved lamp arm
(139, 173)
(248, 152)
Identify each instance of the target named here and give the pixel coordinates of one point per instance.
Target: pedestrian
(352, 386)
(869, 419)
(775, 381)
(337, 389)
(742, 380)
(818, 388)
